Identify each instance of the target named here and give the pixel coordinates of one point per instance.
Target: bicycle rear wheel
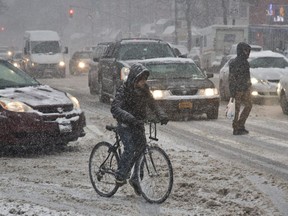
(155, 175)
(102, 167)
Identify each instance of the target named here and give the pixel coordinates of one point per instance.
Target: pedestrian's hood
(268, 73)
(41, 95)
(47, 58)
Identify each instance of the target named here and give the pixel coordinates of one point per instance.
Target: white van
(43, 54)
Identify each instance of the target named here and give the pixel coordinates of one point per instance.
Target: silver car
(283, 93)
(266, 68)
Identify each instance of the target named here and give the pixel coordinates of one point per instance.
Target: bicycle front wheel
(155, 175)
(102, 165)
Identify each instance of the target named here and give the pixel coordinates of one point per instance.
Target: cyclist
(129, 109)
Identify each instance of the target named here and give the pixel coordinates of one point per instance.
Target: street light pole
(176, 22)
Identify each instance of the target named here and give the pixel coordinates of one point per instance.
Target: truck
(217, 41)
(43, 55)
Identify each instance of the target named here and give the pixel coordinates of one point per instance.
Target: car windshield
(12, 77)
(175, 71)
(145, 51)
(268, 62)
(45, 47)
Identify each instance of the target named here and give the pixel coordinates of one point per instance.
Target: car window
(175, 70)
(10, 76)
(268, 62)
(100, 50)
(144, 51)
(109, 51)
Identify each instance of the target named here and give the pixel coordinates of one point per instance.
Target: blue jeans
(134, 141)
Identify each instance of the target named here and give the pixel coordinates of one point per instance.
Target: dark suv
(93, 81)
(113, 66)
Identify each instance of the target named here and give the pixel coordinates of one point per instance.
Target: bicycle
(154, 170)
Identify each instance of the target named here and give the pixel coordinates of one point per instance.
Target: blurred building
(268, 24)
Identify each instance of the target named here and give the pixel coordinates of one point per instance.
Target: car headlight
(61, 63)
(254, 80)
(208, 91)
(160, 94)
(15, 106)
(76, 104)
(81, 65)
(124, 73)
(16, 64)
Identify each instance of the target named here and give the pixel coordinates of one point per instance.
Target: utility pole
(176, 21)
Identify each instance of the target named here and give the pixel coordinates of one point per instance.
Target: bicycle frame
(117, 150)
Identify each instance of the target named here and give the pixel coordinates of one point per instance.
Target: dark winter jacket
(239, 70)
(130, 104)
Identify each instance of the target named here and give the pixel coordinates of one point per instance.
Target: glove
(164, 120)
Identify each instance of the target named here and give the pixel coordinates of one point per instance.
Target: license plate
(65, 128)
(185, 105)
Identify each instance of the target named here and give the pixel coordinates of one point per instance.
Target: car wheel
(213, 113)
(284, 103)
(222, 92)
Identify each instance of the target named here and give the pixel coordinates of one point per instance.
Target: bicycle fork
(150, 162)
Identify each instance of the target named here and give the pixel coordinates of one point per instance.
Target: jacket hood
(240, 49)
(137, 71)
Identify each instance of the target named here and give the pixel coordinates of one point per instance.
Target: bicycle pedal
(121, 182)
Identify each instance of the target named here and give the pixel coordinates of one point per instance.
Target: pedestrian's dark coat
(239, 71)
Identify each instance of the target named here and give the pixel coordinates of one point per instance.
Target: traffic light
(71, 12)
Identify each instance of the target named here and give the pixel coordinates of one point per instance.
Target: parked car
(282, 92)
(266, 68)
(79, 63)
(93, 80)
(111, 65)
(180, 87)
(34, 114)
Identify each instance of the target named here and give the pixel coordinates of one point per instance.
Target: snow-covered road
(216, 173)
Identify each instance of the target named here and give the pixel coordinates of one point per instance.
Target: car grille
(55, 109)
(184, 91)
